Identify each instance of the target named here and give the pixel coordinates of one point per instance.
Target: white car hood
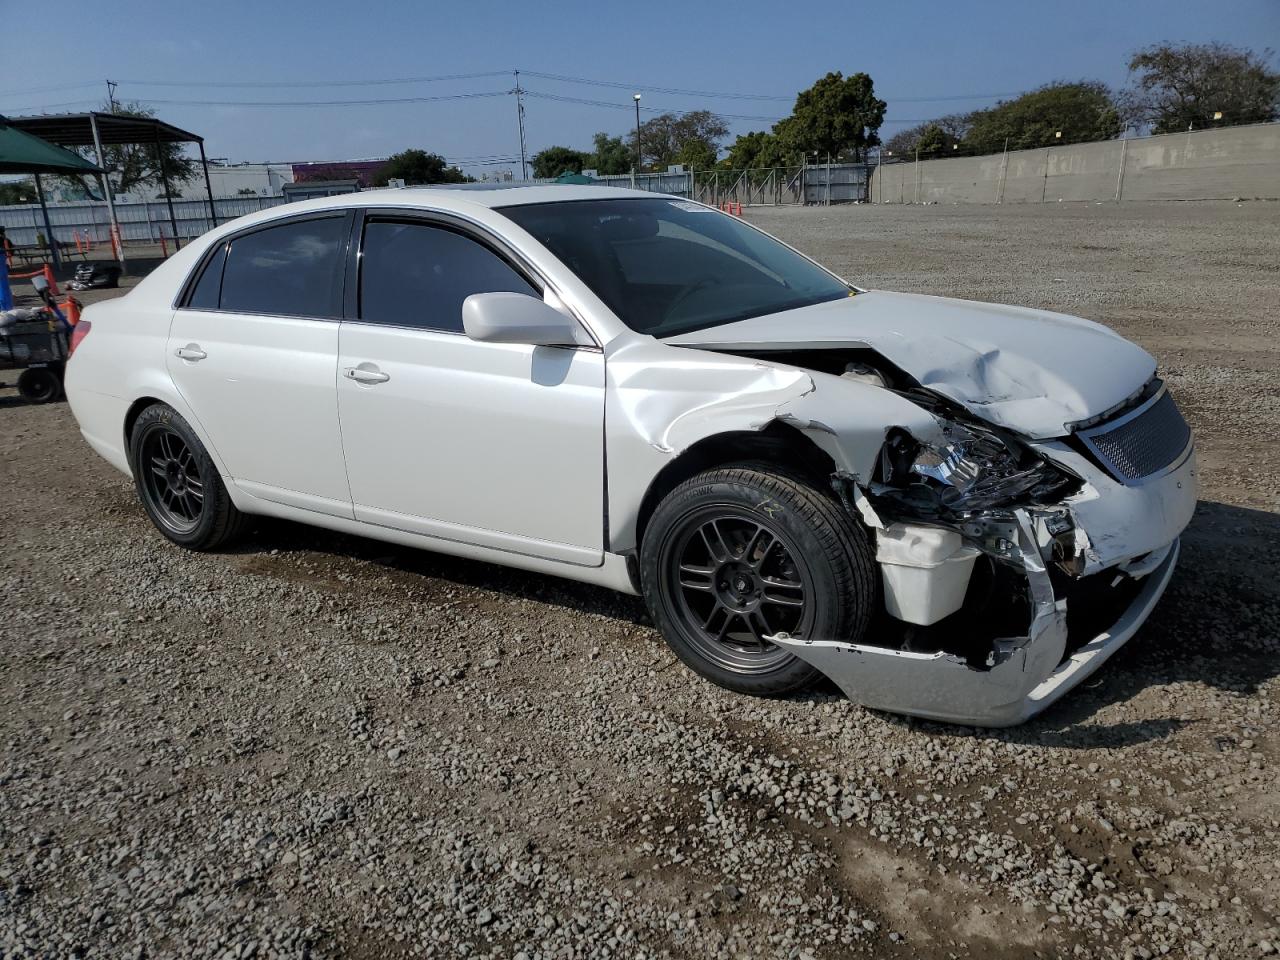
(1030, 371)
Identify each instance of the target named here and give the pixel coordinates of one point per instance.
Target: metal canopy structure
(76, 129)
(20, 152)
(115, 129)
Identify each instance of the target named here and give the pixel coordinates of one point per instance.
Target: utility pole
(111, 95)
(636, 98)
(524, 164)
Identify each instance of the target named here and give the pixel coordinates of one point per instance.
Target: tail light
(78, 333)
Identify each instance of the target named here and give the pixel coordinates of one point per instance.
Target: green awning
(22, 153)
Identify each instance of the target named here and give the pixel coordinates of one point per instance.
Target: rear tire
(178, 482)
(39, 385)
(738, 554)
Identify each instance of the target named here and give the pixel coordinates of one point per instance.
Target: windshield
(668, 266)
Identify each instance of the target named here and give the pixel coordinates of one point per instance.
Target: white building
(227, 180)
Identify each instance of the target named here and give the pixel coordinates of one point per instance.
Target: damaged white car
(954, 510)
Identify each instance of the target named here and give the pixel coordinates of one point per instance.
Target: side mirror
(519, 318)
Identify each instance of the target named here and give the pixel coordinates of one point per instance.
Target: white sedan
(954, 510)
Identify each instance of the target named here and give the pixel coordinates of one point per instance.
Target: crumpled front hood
(1030, 371)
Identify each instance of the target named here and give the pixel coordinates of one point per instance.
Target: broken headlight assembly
(973, 467)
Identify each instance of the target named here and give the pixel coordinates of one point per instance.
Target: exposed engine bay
(956, 518)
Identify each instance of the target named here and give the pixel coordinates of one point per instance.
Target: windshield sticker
(690, 206)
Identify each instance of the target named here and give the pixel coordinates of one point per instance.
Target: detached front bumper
(1132, 530)
(942, 686)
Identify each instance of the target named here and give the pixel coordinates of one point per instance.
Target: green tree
(18, 191)
(1178, 87)
(554, 161)
(691, 138)
(418, 168)
(1081, 111)
(837, 114)
(932, 136)
(611, 157)
(757, 150)
(134, 165)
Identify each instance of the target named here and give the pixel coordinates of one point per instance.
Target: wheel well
(777, 443)
(135, 410)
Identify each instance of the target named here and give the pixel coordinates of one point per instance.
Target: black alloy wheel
(738, 584)
(737, 555)
(171, 479)
(178, 482)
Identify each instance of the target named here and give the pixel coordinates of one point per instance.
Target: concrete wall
(1200, 165)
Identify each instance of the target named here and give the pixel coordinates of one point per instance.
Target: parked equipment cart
(39, 349)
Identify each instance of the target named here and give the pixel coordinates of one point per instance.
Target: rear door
(500, 445)
(254, 350)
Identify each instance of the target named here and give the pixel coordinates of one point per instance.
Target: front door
(254, 353)
(497, 445)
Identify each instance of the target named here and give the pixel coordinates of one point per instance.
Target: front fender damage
(1025, 653)
(658, 406)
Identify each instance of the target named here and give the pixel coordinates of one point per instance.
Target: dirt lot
(325, 746)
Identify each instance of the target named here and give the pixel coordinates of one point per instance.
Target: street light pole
(636, 98)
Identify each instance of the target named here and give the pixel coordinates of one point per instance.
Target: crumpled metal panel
(1031, 371)
(659, 405)
(1031, 676)
(1115, 521)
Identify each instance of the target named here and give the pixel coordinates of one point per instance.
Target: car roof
(465, 196)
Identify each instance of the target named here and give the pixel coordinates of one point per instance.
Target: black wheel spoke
(760, 627)
(696, 577)
(716, 546)
(719, 615)
(783, 593)
(758, 548)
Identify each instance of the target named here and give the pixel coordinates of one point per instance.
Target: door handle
(366, 373)
(191, 352)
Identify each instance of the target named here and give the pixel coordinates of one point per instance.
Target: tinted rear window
(207, 288)
(294, 269)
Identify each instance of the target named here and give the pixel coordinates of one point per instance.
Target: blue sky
(919, 55)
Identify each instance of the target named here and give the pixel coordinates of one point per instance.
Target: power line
(45, 107)
(648, 88)
(723, 95)
(316, 83)
(555, 77)
(60, 87)
(330, 103)
(629, 106)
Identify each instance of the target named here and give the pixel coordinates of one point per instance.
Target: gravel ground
(324, 746)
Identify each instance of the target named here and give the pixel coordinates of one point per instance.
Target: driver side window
(418, 275)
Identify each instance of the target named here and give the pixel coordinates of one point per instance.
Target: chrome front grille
(1143, 442)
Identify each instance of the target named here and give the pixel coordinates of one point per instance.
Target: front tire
(737, 554)
(178, 482)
